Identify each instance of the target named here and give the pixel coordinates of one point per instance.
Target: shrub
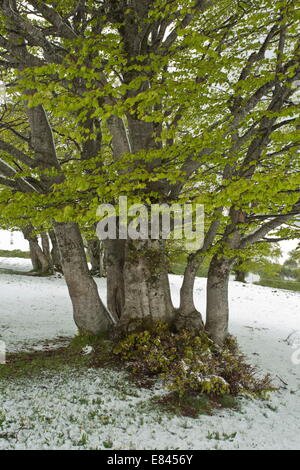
(190, 363)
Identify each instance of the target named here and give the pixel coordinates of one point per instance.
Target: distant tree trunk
(240, 276)
(40, 262)
(114, 260)
(217, 310)
(34, 256)
(90, 315)
(46, 247)
(55, 254)
(146, 286)
(93, 248)
(103, 269)
(188, 316)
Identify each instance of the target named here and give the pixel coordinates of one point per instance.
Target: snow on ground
(16, 264)
(32, 309)
(98, 409)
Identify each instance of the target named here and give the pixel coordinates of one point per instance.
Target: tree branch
(16, 153)
(53, 17)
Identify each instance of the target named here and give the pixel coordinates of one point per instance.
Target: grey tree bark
(103, 263)
(46, 248)
(40, 262)
(55, 254)
(217, 307)
(240, 276)
(93, 249)
(90, 315)
(33, 249)
(115, 259)
(188, 316)
(146, 284)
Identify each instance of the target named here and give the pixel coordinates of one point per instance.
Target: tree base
(189, 321)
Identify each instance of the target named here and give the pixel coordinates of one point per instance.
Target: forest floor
(99, 408)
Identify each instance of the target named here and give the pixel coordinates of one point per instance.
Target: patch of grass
(108, 444)
(24, 364)
(272, 408)
(229, 402)
(189, 405)
(105, 420)
(14, 254)
(279, 284)
(83, 441)
(92, 415)
(2, 418)
(221, 436)
(193, 405)
(83, 401)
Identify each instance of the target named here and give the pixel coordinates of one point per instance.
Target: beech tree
(170, 101)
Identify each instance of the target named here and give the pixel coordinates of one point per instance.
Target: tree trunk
(34, 255)
(240, 276)
(114, 259)
(90, 315)
(217, 310)
(93, 248)
(103, 269)
(188, 316)
(40, 262)
(146, 283)
(46, 248)
(55, 254)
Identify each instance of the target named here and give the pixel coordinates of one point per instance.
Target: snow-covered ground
(32, 309)
(100, 409)
(15, 264)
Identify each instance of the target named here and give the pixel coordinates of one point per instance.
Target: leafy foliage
(188, 363)
(291, 267)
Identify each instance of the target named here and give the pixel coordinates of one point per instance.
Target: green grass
(14, 254)
(26, 364)
(108, 444)
(279, 284)
(195, 405)
(217, 436)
